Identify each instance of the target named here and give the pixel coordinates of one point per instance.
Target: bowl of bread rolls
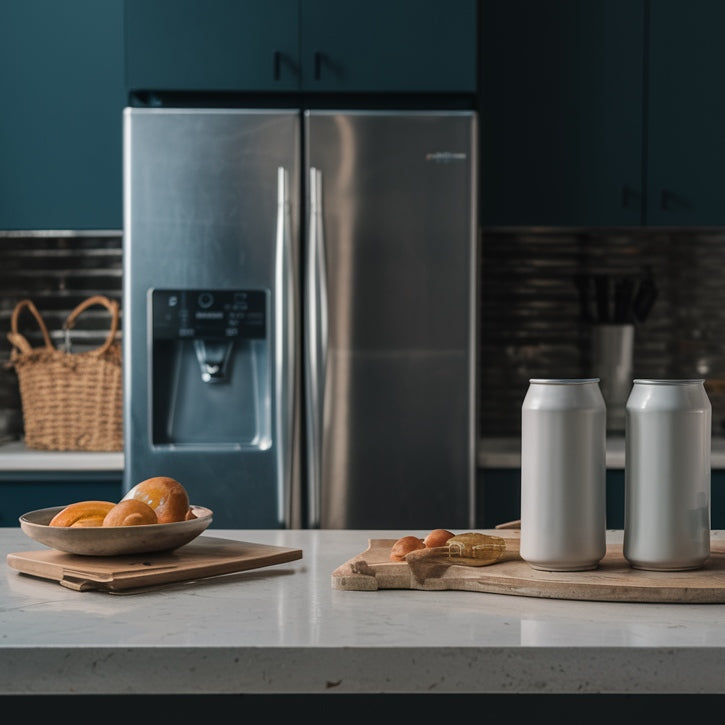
(154, 515)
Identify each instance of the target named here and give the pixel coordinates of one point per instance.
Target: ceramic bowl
(113, 540)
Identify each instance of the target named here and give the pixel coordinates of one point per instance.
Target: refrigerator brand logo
(445, 157)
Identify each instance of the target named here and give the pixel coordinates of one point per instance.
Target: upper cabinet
(212, 45)
(561, 112)
(62, 95)
(301, 45)
(602, 113)
(383, 45)
(685, 138)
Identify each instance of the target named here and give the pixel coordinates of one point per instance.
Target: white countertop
(284, 629)
(506, 452)
(15, 456)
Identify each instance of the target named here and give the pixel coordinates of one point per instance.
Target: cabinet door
(62, 95)
(380, 46)
(212, 45)
(686, 143)
(561, 112)
(22, 492)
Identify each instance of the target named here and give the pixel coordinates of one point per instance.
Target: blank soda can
(667, 475)
(563, 474)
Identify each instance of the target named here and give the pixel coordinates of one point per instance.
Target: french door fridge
(300, 313)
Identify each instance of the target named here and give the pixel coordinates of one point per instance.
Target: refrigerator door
(390, 324)
(210, 224)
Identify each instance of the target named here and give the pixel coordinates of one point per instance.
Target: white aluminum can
(563, 474)
(667, 475)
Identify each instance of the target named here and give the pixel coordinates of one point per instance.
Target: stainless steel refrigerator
(300, 313)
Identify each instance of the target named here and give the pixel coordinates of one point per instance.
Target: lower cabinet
(498, 497)
(23, 492)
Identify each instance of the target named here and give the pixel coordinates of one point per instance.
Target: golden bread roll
(130, 512)
(82, 513)
(165, 495)
(437, 537)
(404, 546)
(475, 549)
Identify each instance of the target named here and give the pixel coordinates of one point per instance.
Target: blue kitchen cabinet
(421, 46)
(62, 94)
(561, 112)
(602, 113)
(498, 497)
(268, 46)
(212, 45)
(686, 145)
(21, 492)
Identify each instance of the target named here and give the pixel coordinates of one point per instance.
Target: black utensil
(644, 300)
(623, 300)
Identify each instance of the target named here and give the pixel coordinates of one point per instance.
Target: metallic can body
(667, 475)
(563, 474)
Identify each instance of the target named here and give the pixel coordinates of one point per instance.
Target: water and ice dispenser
(209, 368)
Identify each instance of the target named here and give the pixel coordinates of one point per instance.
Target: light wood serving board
(613, 581)
(204, 557)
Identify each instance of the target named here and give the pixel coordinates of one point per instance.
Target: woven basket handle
(19, 340)
(110, 305)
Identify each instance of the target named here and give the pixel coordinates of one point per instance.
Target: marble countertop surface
(15, 456)
(284, 629)
(504, 452)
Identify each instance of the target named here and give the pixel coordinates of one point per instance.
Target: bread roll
(165, 495)
(437, 537)
(130, 512)
(82, 513)
(404, 546)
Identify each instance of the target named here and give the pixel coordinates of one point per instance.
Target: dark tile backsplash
(56, 271)
(530, 315)
(531, 321)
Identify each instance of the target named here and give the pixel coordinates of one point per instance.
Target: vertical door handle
(316, 342)
(285, 339)
(318, 64)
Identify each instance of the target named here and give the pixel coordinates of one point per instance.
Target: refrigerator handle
(316, 344)
(285, 345)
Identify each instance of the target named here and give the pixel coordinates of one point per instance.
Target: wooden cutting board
(204, 557)
(613, 581)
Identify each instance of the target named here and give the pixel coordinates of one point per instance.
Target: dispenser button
(206, 300)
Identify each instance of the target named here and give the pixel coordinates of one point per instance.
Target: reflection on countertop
(16, 456)
(506, 452)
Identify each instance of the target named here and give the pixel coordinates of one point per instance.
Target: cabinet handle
(629, 196)
(318, 64)
(277, 61)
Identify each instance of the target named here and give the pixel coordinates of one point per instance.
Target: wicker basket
(71, 401)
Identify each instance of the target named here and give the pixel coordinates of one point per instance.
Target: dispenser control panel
(208, 314)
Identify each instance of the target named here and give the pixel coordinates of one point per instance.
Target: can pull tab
(213, 358)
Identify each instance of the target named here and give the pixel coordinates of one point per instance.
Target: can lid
(685, 381)
(562, 381)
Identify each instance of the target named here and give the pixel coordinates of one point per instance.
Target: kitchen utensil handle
(316, 342)
(285, 344)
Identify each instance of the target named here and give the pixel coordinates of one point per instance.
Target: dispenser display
(209, 367)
